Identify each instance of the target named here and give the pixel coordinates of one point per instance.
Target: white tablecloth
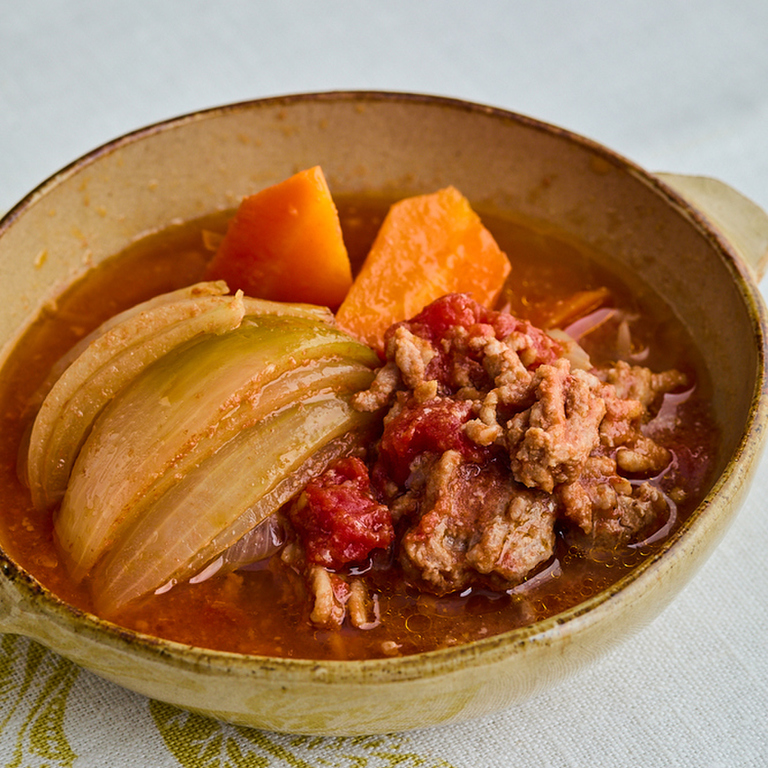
(672, 84)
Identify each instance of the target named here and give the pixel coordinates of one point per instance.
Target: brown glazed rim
(433, 663)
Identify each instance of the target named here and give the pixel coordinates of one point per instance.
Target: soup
(266, 608)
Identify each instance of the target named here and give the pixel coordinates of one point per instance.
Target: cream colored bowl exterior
(403, 144)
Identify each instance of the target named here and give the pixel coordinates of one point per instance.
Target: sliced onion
(664, 530)
(257, 545)
(312, 312)
(97, 368)
(216, 504)
(585, 325)
(179, 411)
(196, 291)
(572, 350)
(341, 376)
(101, 371)
(667, 417)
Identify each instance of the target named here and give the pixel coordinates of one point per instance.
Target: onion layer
(200, 445)
(90, 374)
(224, 498)
(101, 371)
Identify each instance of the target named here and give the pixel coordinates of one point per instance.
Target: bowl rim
(732, 479)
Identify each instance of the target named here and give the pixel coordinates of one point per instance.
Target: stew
(379, 554)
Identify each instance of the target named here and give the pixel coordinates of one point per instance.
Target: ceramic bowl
(699, 243)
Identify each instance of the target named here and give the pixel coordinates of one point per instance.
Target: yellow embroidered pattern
(34, 686)
(197, 741)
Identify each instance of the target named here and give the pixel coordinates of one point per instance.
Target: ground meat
(622, 421)
(493, 439)
(381, 391)
(457, 330)
(362, 606)
(512, 380)
(608, 508)
(476, 523)
(329, 593)
(550, 441)
(433, 427)
(514, 541)
(411, 355)
(336, 599)
(572, 436)
(633, 382)
(644, 458)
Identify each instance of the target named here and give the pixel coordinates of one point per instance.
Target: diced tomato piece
(337, 518)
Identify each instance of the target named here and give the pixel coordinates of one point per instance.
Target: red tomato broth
(265, 610)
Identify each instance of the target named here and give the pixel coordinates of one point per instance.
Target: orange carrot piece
(285, 243)
(565, 311)
(428, 245)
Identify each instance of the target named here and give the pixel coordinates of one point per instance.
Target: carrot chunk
(428, 245)
(285, 243)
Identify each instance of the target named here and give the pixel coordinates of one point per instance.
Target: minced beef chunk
(492, 438)
(549, 442)
(609, 508)
(433, 426)
(474, 526)
(444, 345)
(336, 598)
(633, 382)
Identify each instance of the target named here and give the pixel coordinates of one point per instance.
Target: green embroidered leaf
(38, 703)
(46, 733)
(201, 742)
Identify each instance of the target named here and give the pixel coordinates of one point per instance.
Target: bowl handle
(744, 224)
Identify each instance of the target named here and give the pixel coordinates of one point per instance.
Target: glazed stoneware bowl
(701, 245)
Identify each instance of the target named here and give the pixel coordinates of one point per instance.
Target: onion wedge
(213, 506)
(169, 416)
(101, 371)
(192, 292)
(196, 291)
(98, 367)
(343, 377)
